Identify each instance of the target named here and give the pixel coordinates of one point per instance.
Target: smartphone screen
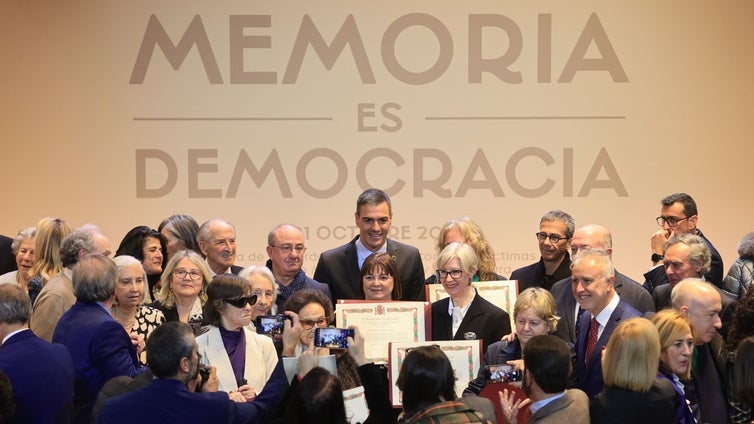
(270, 324)
(336, 338)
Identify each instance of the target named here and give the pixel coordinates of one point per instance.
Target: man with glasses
(554, 237)
(678, 216)
(285, 248)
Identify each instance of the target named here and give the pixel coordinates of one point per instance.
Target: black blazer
(534, 275)
(7, 258)
(339, 269)
(616, 406)
(488, 322)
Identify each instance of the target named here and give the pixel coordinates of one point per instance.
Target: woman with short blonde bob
(676, 348)
(534, 314)
(632, 391)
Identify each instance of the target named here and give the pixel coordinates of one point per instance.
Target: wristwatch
(657, 258)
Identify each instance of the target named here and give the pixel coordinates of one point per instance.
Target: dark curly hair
(742, 323)
(304, 297)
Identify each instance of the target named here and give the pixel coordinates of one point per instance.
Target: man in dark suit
(554, 237)
(217, 241)
(173, 356)
(41, 372)
(700, 302)
(592, 282)
(340, 267)
(285, 247)
(685, 256)
(100, 347)
(547, 361)
(7, 258)
(593, 236)
(679, 216)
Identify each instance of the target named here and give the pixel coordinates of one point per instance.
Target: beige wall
(668, 104)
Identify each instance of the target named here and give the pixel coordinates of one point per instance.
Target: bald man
(698, 301)
(594, 236)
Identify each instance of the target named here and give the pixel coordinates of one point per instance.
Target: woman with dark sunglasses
(244, 359)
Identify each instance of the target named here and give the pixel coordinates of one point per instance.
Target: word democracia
(425, 172)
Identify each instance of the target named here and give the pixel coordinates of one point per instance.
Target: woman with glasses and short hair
(244, 359)
(184, 282)
(464, 315)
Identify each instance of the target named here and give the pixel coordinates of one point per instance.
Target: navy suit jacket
(590, 375)
(169, 401)
(42, 377)
(101, 350)
(488, 322)
(629, 291)
(339, 269)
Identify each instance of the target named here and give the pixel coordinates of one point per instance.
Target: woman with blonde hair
(632, 392)
(534, 314)
(183, 292)
(49, 237)
(465, 230)
(676, 348)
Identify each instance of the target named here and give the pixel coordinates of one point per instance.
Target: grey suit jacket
(339, 269)
(573, 408)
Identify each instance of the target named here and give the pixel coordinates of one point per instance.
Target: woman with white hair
(128, 309)
(741, 272)
(23, 250)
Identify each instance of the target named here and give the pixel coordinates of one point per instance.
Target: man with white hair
(217, 241)
(698, 301)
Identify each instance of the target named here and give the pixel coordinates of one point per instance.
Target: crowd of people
(165, 330)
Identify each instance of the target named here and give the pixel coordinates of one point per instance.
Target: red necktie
(592, 340)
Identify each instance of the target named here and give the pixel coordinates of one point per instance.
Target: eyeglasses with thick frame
(670, 220)
(554, 238)
(240, 302)
(308, 324)
(288, 248)
(454, 273)
(194, 274)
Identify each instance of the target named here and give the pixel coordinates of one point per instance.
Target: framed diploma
(465, 357)
(384, 322)
(501, 293)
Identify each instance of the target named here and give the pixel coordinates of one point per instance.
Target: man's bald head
(700, 302)
(591, 236)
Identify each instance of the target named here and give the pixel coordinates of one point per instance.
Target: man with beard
(285, 247)
(547, 365)
(217, 241)
(173, 357)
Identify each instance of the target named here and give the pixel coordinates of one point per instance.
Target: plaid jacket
(446, 413)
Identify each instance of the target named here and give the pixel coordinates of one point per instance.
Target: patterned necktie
(592, 340)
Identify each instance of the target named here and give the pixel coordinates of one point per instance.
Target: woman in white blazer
(244, 360)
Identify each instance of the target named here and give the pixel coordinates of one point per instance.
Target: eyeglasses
(670, 220)
(308, 324)
(554, 238)
(287, 248)
(240, 302)
(454, 273)
(193, 274)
